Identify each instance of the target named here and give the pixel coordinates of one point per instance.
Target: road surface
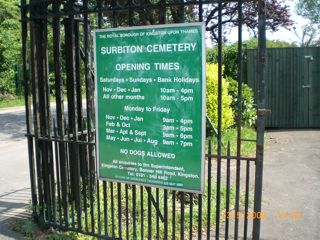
(14, 172)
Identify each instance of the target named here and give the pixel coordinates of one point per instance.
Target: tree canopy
(10, 44)
(278, 15)
(310, 33)
(309, 9)
(10, 28)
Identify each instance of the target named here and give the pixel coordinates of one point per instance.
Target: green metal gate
(293, 86)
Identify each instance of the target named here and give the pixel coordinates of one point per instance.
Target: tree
(309, 9)
(309, 35)
(277, 16)
(10, 44)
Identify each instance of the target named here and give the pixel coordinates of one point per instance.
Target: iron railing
(56, 37)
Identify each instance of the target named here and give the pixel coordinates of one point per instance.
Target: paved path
(292, 185)
(14, 172)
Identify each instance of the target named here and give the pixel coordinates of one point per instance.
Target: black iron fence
(66, 193)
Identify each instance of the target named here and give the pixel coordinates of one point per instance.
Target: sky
(282, 34)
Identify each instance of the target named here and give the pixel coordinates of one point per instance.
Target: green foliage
(230, 135)
(7, 86)
(65, 236)
(230, 72)
(24, 227)
(9, 9)
(212, 98)
(253, 43)
(27, 228)
(309, 9)
(247, 148)
(248, 109)
(230, 54)
(10, 44)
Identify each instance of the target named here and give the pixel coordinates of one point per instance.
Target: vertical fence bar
(70, 176)
(98, 207)
(100, 23)
(100, 14)
(44, 111)
(141, 212)
(127, 210)
(45, 119)
(134, 211)
(182, 215)
(261, 74)
(26, 77)
(130, 14)
(209, 191)
(105, 208)
(246, 203)
(57, 171)
(239, 116)
(84, 171)
(162, 17)
(149, 214)
(60, 109)
(119, 211)
(89, 106)
(112, 209)
(200, 217)
(219, 118)
(78, 122)
(200, 195)
(71, 38)
(191, 217)
(34, 34)
(173, 214)
(227, 194)
(165, 214)
(157, 215)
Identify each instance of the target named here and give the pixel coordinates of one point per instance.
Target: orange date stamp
(280, 215)
(283, 215)
(248, 215)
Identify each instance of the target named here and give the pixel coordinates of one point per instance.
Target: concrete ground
(291, 185)
(14, 171)
(291, 180)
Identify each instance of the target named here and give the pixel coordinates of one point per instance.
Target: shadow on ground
(13, 208)
(12, 126)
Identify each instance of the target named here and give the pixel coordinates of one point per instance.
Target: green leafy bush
(7, 85)
(248, 109)
(230, 54)
(229, 60)
(10, 50)
(212, 99)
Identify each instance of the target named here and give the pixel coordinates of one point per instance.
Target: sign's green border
(202, 177)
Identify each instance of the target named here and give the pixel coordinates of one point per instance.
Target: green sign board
(150, 105)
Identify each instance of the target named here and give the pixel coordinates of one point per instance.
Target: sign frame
(203, 108)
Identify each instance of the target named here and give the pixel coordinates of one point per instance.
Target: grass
(124, 207)
(120, 207)
(230, 135)
(18, 101)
